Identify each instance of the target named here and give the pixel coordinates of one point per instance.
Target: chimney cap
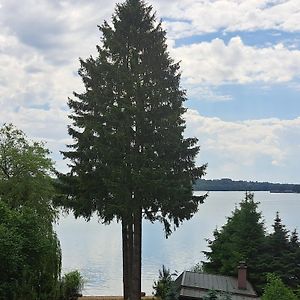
(242, 265)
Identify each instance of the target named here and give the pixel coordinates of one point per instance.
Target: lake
(95, 249)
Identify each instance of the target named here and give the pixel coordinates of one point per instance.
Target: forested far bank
(226, 184)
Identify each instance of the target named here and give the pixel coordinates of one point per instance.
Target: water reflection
(95, 249)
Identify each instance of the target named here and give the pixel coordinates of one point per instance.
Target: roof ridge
(225, 283)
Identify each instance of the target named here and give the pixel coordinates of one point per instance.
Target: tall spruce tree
(294, 261)
(278, 250)
(241, 238)
(130, 159)
(283, 254)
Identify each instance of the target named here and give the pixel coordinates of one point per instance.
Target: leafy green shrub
(211, 295)
(163, 286)
(71, 285)
(172, 294)
(30, 256)
(275, 289)
(214, 295)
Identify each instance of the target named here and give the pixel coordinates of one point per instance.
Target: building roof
(196, 285)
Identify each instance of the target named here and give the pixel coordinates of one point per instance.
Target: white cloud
(179, 29)
(49, 126)
(204, 16)
(40, 42)
(216, 62)
(205, 93)
(240, 146)
(28, 79)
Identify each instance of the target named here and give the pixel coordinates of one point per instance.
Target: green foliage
(129, 152)
(172, 294)
(243, 237)
(211, 295)
(297, 292)
(215, 295)
(275, 289)
(163, 287)
(25, 170)
(71, 285)
(30, 253)
(130, 159)
(226, 296)
(197, 268)
(282, 252)
(294, 256)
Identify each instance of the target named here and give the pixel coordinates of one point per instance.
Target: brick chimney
(242, 276)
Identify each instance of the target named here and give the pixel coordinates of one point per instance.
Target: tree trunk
(131, 248)
(130, 257)
(126, 278)
(138, 247)
(128, 250)
(136, 255)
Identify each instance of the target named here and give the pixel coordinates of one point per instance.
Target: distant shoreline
(227, 185)
(271, 192)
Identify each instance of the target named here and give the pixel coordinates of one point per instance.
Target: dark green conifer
(279, 239)
(294, 261)
(283, 254)
(130, 159)
(294, 239)
(241, 238)
(276, 257)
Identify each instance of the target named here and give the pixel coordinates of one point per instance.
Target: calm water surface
(95, 249)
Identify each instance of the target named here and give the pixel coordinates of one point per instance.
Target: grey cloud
(39, 33)
(274, 142)
(33, 23)
(59, 30)
(33, 69)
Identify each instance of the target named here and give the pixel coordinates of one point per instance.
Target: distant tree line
(226, 184)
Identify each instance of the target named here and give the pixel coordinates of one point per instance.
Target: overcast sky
(240, 64)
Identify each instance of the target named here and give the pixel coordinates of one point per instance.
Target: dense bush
(30, 253)
(163, 287)
(275, 289)
(71, 285)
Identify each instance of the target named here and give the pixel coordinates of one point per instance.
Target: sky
(240, 64)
